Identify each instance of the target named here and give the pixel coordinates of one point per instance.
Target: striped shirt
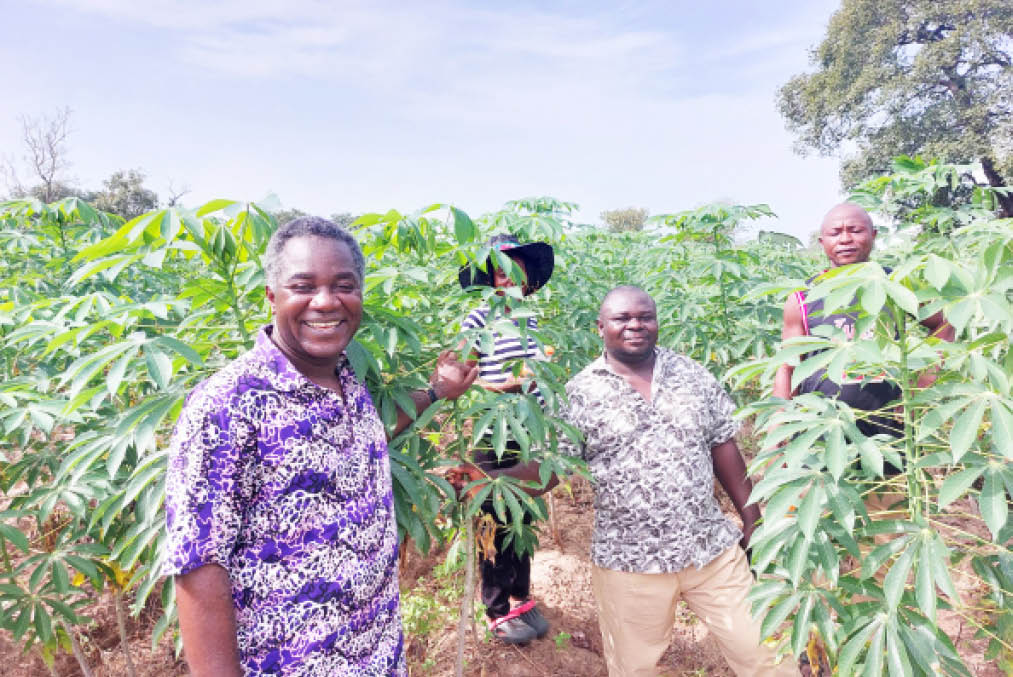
(496, 367)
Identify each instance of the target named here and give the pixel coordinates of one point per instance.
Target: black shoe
(534, 618)
(512, 630)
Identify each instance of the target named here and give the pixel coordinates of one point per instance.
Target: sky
(362, 107)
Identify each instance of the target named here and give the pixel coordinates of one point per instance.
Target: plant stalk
(467, 601)
(915, 495)
(467, 598)
(121, 622)
(78, 653)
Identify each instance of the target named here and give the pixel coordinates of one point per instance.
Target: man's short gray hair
(308, 226)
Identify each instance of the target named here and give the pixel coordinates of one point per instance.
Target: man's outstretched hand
(461, 476)
(452, 378)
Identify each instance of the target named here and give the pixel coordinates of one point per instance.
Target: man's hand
(452, 378)
(747, 534)
(461, 476)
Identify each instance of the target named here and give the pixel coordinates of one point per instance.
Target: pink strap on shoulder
(800, 298)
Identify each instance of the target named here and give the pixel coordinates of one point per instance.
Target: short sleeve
(204, 481)
(565, 445)
(723, 425)
(474, 320)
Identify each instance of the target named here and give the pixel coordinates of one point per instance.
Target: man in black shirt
(847, 235)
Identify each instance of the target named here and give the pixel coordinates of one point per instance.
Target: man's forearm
(207, 621)
(421, 400)
(730, 470)
(511, 385)
(782, 382)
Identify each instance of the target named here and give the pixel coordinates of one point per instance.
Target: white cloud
(362, 41)
(369, 105)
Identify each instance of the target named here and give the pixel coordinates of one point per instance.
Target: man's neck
(639, 374)
(639, 368)
(324, 373)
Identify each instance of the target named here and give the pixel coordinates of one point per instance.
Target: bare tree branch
(45, 142)
(175, 193)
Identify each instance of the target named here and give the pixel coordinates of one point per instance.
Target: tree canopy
(910, 77)
(631, 219)
(124, 193)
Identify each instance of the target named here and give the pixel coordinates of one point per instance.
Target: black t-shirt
(868, 394)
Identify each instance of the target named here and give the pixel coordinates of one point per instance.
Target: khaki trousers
(636, 613)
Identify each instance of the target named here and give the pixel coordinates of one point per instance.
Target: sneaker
(511, 630)
(534, 618)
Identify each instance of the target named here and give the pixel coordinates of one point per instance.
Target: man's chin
(330, 350)
(632, 355)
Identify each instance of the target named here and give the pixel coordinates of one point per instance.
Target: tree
(176, 193)
(45, 145)
(910, 77)
(625, 220)
(343, 219)
(124, 194)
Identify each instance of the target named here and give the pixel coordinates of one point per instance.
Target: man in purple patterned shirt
(281, 528)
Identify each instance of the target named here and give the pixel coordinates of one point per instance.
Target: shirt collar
(281, 373)
(601, 364)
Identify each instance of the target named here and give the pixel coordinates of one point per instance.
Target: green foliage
(704, 279)
(880, 617)
(909, 77)
(106, 324)
(779, 239)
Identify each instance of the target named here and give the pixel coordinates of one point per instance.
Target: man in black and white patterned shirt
(657, 429)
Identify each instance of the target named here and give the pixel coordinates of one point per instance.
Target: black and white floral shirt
(655, 509)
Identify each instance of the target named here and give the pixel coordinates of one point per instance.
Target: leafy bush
(874, 601)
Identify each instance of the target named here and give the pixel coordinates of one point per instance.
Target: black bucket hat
(538, 258)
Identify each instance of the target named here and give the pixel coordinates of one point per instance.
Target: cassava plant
(873, 585)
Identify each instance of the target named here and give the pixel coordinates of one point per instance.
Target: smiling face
(847, 235)
(628, 323)
(317, 302)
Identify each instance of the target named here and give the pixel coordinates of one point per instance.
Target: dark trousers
(506, 575)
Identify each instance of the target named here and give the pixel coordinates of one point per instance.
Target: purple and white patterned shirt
(286, 485)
